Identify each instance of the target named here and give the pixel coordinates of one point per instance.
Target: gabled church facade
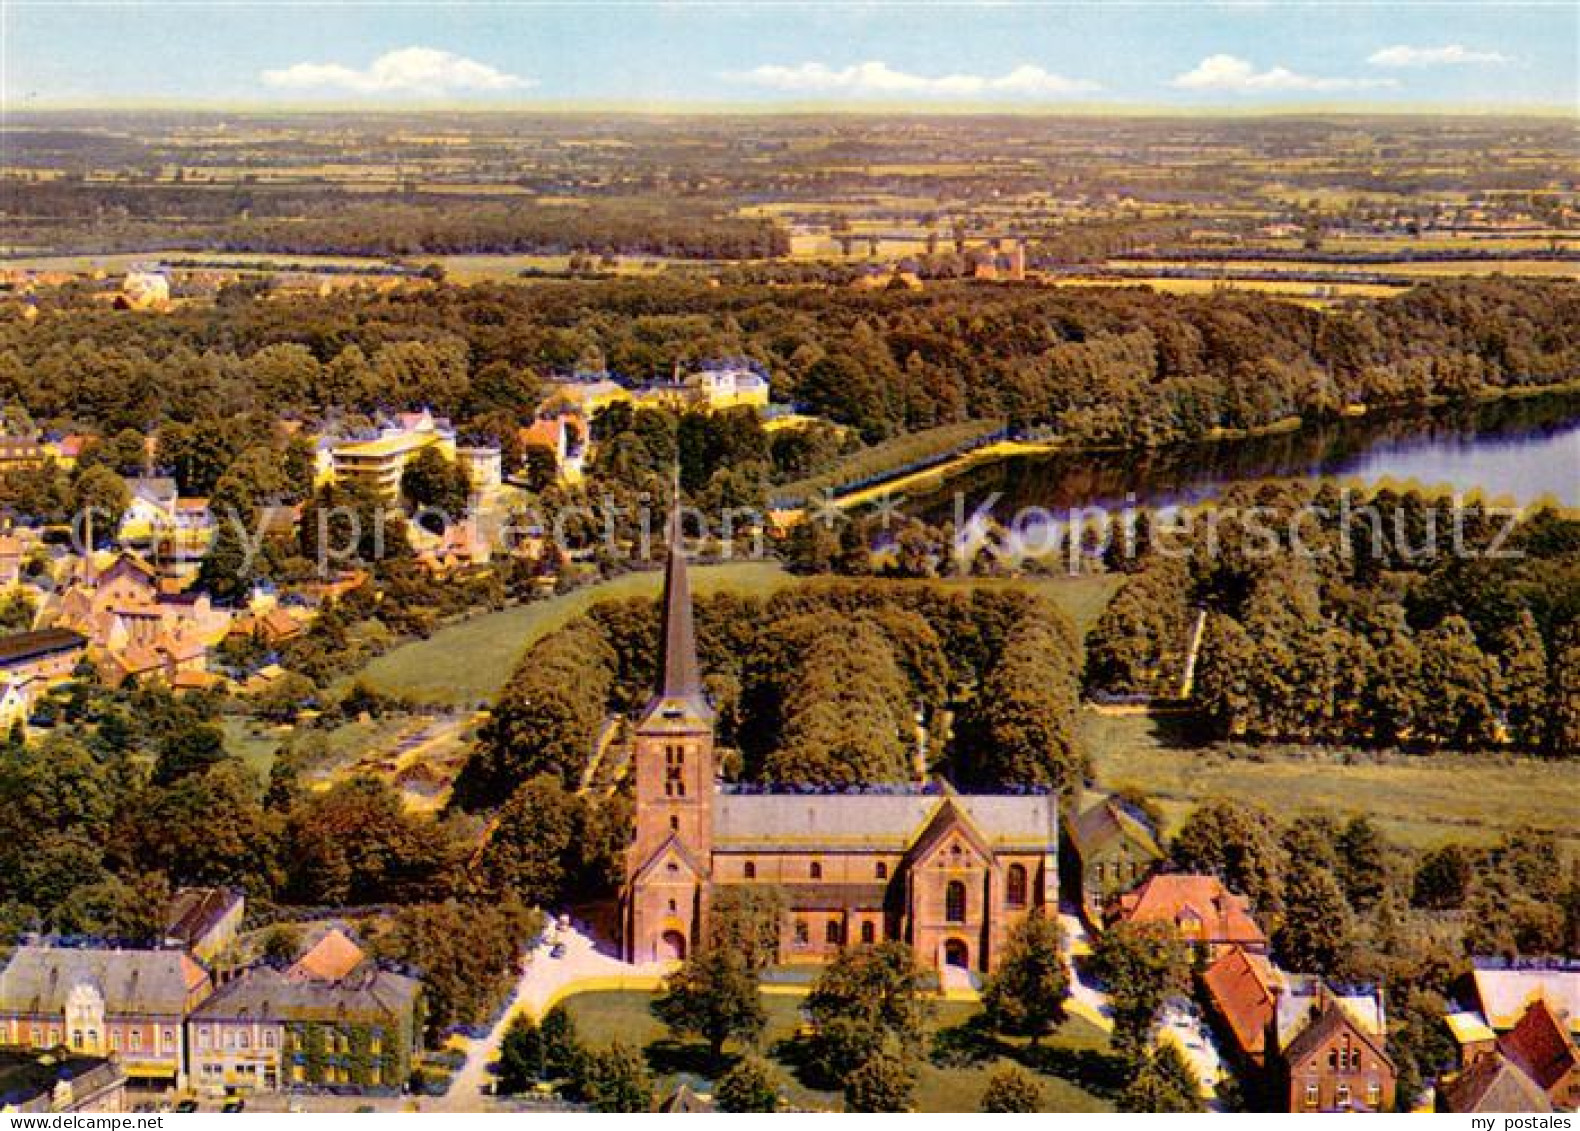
(949, 874)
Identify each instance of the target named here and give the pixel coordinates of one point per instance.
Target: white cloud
(878, 78)
(1449, 55)
(424, 71)
(1238, 76)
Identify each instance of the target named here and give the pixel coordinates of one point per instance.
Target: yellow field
(1433, 268)
(505, 268)
(1306, 292)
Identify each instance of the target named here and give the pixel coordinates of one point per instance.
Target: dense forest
(828, 685)
(1384, 634)
(1097, 367)
(68, 214)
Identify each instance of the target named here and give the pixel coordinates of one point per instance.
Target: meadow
(1419, 800)
(468, 662)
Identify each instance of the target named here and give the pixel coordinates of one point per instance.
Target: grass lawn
(1421, 800)
(1082, 598)
(253, 742)
(1075, 1055)
(469, 662)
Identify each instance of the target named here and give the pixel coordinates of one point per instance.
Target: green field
(1076, 1054)
(256, 743)
(253, 742)
(1081, 598)
(469, 662)
(1418, 800)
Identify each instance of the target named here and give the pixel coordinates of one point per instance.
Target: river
(1524, 450)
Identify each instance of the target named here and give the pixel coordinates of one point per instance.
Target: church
(946, 873)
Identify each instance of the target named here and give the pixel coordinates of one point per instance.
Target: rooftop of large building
(40, 977)
(265, 993)
(24, 646)
(789, 822)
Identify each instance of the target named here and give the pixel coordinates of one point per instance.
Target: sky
(1146, 54)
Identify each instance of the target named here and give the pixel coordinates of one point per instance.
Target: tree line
(69, 215)
(1368, 641)
(827, 685)
(1118, 367)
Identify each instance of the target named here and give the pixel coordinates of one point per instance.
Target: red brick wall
(1319, 1081)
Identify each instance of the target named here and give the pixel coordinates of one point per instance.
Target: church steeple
(679, 677)
(671, 854)
(679, 692)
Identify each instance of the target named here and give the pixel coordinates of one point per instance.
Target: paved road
(1086, 1000)
(1181, 1023)
(542, 980)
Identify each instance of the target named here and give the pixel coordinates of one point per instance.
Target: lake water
(1525, 450)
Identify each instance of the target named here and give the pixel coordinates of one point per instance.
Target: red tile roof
(1185, 900)
(1539, 1045)
(329, 960)
(1241, 988)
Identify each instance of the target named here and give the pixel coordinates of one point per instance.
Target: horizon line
(1081, 108)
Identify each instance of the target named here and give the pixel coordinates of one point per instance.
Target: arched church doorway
(672, 947)
(956, 954)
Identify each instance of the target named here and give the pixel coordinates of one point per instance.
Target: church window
(672, 868)
(1373, 1093)
(816, 870)
(1311, 1094)
(1015, 886)
(1333, 1058)
(1341, 1095)
(831, 932)
(882, 870)
(76, 1038)
(955, 902)
(749, 870)
(868, 934)
(136, 1039)
(672, 906)
(674, 824)
(802, 933)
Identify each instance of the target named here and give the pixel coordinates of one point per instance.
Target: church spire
(678, 643)
(680, 675)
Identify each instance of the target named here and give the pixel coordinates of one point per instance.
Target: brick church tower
(669, 863)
